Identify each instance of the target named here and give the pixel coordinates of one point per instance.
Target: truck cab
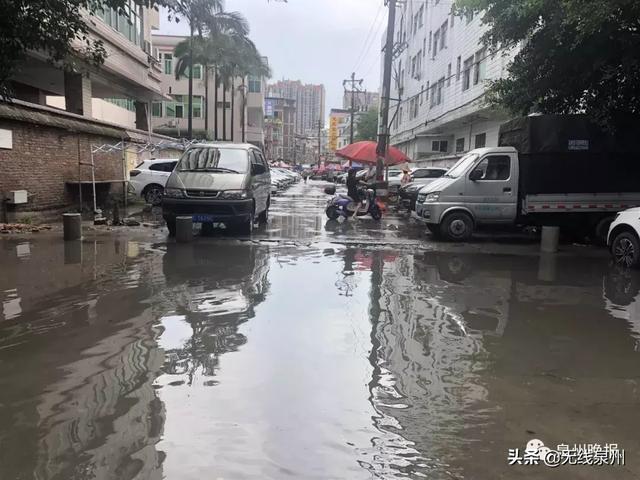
(481, 188)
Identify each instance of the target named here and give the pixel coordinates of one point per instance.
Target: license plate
(201, 218)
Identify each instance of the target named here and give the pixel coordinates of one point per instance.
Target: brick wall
(44, 157)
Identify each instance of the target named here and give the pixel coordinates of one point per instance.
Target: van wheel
(171, 226)
(626, 249)
(246, 228)
(457, 226)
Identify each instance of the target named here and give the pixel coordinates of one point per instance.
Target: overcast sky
(315, 41)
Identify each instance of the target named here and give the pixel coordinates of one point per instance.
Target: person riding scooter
(352, 189)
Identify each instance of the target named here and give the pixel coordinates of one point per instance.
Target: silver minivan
(219, 183)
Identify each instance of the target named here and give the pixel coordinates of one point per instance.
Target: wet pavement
(314, 350)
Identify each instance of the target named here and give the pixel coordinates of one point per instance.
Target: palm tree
(208, 50)
(242, 58)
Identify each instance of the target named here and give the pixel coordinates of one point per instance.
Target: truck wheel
(457, 226)
(602, 230)
(434, 229)
(626, 249)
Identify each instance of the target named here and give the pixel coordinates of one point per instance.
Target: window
(495, 167)
(443, 34)
(480, 66)
(424, 47)
(433, 95)
(421, 17)
(421, 94)
(440, 91)
(449, 75)
(197, 106)
(466, 76)
(428, 172)
(197, 72)
(156, 109)
(426, 93)
(453, 16)
(203, 158)
(168, 63)
(481, 140)
(228, 105)
(460, 145)
(430, 41)
(170, 109)
(255, 84)
(163, 166)
(436, 42)
(127, 21)
(439, 146)
(458, 68)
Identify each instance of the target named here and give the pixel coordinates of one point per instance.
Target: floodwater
(314, 351)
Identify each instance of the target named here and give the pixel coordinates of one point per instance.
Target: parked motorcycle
(341, 205)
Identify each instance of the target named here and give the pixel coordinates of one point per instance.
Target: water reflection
(77, 364)
(468, 348)
(211, 290)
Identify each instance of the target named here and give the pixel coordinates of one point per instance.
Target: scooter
(341, 205)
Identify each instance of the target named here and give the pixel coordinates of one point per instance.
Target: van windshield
(208, 159)
(462, 165)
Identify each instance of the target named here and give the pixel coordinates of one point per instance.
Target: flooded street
(315, 350)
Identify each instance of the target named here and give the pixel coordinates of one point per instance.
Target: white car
(148, 179)
(624, 238)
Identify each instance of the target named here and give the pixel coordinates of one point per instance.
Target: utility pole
(353, 91)
(383, 129)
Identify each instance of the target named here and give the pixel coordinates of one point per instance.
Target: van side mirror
(475, 175)
(257, 169)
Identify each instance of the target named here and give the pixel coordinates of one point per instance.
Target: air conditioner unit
(147, 47)
(17, 197)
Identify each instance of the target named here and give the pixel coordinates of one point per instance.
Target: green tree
(575, 55)
(208, 50)
(367, 126)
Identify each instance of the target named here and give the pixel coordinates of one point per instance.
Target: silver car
(219, 183)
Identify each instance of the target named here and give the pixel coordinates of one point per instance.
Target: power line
(366, 40)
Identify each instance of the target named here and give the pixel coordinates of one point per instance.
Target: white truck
(549, 170)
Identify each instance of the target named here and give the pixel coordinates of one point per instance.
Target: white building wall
(462, 112)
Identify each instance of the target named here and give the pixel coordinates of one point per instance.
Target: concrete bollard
(72, 226)
(73, 252)
(547, 267)
(550, 239)
(184, 229)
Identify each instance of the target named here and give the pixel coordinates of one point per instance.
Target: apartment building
(232, 114)
(440, 76)
(121, 90)
(363, 101)
(280, 120)
(310, 103)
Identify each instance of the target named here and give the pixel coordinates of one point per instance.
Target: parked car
(219, 183)
(623, 238)
(409, 193)
(148, 179)
(394, 178)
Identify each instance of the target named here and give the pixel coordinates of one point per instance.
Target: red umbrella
(365, 152)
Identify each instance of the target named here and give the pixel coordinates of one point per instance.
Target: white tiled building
(440, 74)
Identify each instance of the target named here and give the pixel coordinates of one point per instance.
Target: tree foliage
(574, 55)
(367, 125)
(60, 29)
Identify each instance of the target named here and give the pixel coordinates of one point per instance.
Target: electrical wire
(367, 43)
